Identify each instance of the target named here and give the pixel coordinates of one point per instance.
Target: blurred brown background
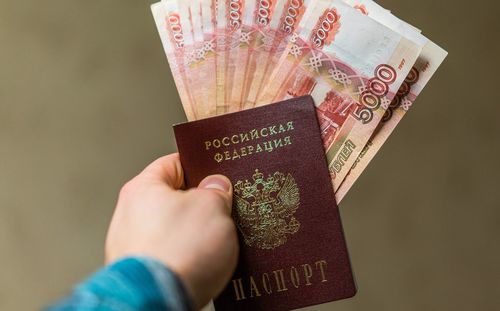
(87, 100)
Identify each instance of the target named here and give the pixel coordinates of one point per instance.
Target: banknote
(265, 12)
(209, 54)
(168, 23)
(240, 54)
(426, 66)
(238, 10)
(353, 67)
(189, 13)
(357, 60)
(221, 30)
(362, 5)
(200, 62)
(277, 26)
(380, 14)
(229, 21)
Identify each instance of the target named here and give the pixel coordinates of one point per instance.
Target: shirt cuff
(136, 283)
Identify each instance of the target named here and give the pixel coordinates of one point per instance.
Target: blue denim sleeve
(129, 284)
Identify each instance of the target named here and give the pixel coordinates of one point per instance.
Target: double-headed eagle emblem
(265, 209)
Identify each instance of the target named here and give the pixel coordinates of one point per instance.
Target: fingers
(167, 169)
(220, 186)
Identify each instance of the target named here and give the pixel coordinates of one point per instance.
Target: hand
(191, 231)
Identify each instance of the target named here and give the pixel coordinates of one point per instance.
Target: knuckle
(128, 188)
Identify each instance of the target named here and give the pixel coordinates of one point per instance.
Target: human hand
(191, 231)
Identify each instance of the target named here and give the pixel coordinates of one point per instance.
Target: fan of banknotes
(363, 66)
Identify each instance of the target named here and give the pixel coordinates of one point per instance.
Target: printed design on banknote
(363, 66)
(423, 70)
(285, 19)
(169, 27)
(361, 8)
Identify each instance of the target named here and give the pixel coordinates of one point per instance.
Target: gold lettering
(266, 283)
(294, 276)
(268, 146)
(258, 146)
(259, 149)
(288, 140)
(218, 157)
(236, 155)
(243, 152)
(280, 281)
(322, 266)
(253, 288)
(254, 134)
(308, 273)
(235, 140)
(238, 290)
(244, 137)
(278, 143)
(250, 149)
(272, 129)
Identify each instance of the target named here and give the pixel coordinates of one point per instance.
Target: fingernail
(216, 182)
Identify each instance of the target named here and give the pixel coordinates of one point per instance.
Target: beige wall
(86, 100)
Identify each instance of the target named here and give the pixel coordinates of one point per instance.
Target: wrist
(149, 282)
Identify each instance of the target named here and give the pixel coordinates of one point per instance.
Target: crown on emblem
(261, 189)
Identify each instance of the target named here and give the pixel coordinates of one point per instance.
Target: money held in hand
(363, 66)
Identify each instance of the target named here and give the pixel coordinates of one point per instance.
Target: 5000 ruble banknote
(353, 67)
(277, 28)
(426, 66)
(168, 23)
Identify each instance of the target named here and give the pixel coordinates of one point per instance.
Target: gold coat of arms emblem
(265, 209)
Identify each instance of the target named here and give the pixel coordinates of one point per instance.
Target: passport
(293, 252)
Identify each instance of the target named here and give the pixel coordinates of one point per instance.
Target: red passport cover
(292, 248)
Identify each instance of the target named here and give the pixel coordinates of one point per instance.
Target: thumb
(221, 185)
